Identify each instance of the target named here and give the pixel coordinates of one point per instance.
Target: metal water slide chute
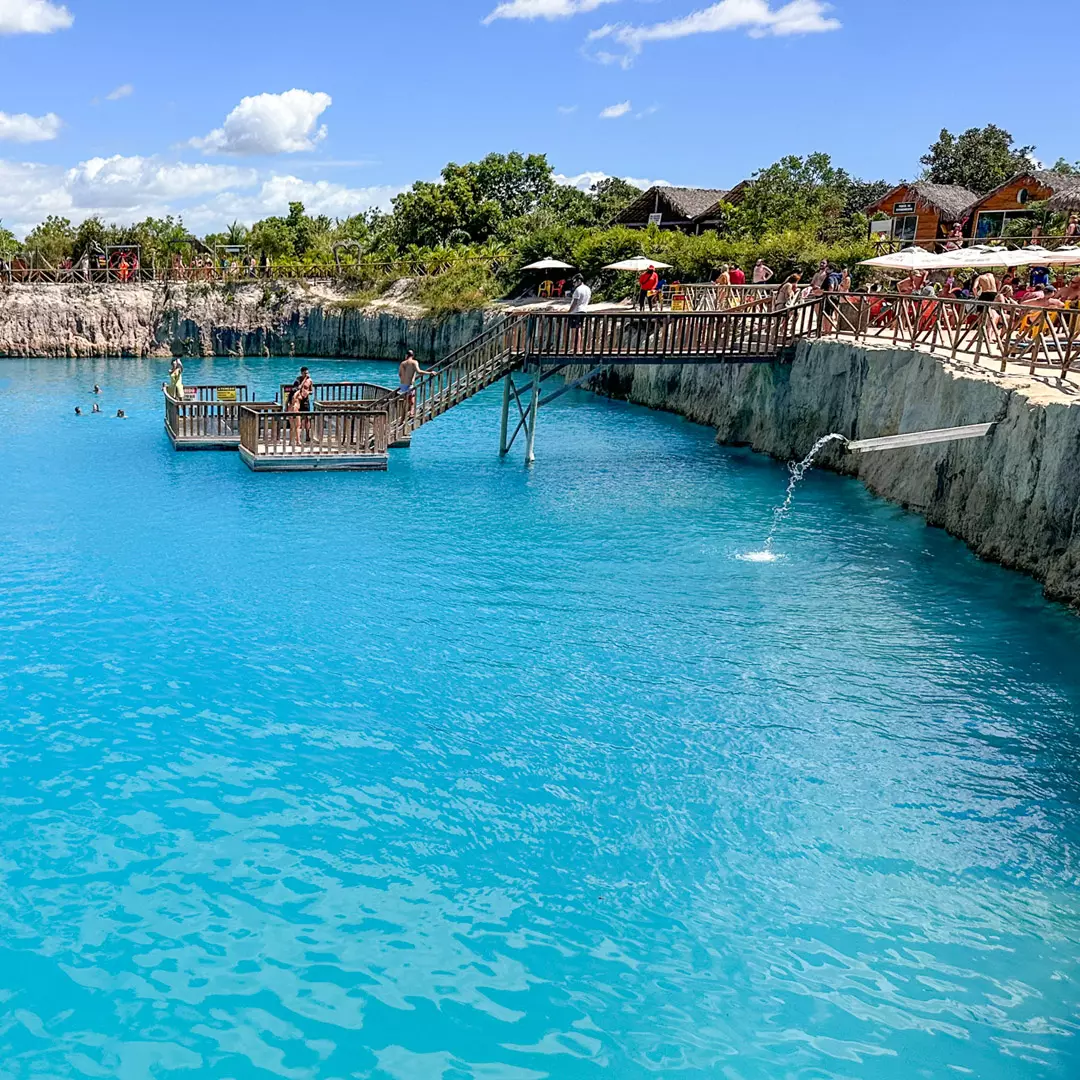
(919, 438)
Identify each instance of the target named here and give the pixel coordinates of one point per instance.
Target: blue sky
(223, 109)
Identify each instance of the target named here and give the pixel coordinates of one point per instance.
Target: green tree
(8, 242)
(518, 183)
(53, 240)
(803, 194)
(1066, 168)
(612, 195)
(271, 237)
(979, 159)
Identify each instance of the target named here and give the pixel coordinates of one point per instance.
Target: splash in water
(798, 470)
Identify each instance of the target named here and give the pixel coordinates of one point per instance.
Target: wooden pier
(352, 425)
(208, 420)
(350, 439)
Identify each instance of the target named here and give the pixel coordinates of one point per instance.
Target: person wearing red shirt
(737, 276)
(647, 285)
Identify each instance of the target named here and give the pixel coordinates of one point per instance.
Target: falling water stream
(798, 470)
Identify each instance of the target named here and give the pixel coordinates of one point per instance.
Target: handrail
(667, 336)
(975, 330)
(342, 391)
(326, 433)
(204, 417)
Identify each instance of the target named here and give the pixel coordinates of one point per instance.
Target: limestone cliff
(1013, 497)
(256, 319)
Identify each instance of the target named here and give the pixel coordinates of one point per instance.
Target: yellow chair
(546, 289)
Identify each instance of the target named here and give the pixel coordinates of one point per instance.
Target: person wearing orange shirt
(647, 285)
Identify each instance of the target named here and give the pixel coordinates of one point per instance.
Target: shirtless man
(408, 369)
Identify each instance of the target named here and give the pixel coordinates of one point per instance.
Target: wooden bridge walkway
(354, 424)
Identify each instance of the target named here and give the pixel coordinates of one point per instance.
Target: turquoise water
(468, 770)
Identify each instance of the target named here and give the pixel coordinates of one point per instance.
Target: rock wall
(1013, 497)
(257, 319)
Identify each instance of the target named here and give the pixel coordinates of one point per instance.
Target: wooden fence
(973, 330)
(672, 337)
(271, 433)
(206, 420)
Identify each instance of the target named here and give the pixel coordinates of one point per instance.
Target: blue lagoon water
(468, 770)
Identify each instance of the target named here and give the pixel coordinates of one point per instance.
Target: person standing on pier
(647, 286)
(737, 275)
(408, 369)
(579, 301)
(175, 385)
(762, 274)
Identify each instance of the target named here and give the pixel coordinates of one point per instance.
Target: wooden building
(922, 213)
(682, 208)
(1013, 200)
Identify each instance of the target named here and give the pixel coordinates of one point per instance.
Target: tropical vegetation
(480, 221)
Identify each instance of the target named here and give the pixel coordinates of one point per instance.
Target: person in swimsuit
(408, 369)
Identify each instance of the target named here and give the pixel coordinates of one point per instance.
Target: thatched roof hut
(949, 203)
(1066, 197)
(678, 207)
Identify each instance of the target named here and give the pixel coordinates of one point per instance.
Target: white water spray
(798, 470)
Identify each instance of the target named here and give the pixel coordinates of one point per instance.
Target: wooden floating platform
(352, 440)
(297, 461)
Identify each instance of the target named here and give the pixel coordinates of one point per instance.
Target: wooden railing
(273, 433)
(342, 391)
(707, 296)
(671, 336)
(495, 351)
(396, 407)
(973, 330)
(14, 271)
(204, 418)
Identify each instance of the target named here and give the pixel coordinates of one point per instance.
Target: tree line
(483, 219)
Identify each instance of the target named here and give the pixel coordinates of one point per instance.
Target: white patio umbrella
(638, 265)
(548, 264)
(909, 258)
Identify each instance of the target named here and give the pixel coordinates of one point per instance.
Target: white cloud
(121, 92)
(542, 9)
(757, 17)
(24, 128)
(585, 180)
(275, 194)
(270, 124)
(133, 183)
(33, 17)
(566, 110)
(613, 112)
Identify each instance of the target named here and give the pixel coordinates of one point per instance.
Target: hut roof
(951, 201)
(1063, 185)
(1066, 192)
(688, 202)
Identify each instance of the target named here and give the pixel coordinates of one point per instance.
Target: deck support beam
(505, 418)
(530, 425)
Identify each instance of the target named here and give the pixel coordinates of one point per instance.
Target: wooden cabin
(1013, 199)
(921, 213)
(682, 208)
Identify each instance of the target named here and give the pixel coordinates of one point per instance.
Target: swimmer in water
(120, 414)
(97, 389)
(78, 411)
(96, 408)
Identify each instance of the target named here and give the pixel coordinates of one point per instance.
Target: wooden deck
(208, 421)
(353, 425)
(276, 441)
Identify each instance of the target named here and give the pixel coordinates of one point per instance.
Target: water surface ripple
(468, 770)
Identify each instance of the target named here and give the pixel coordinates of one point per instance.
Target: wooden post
(534, 409)
(505, 415)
